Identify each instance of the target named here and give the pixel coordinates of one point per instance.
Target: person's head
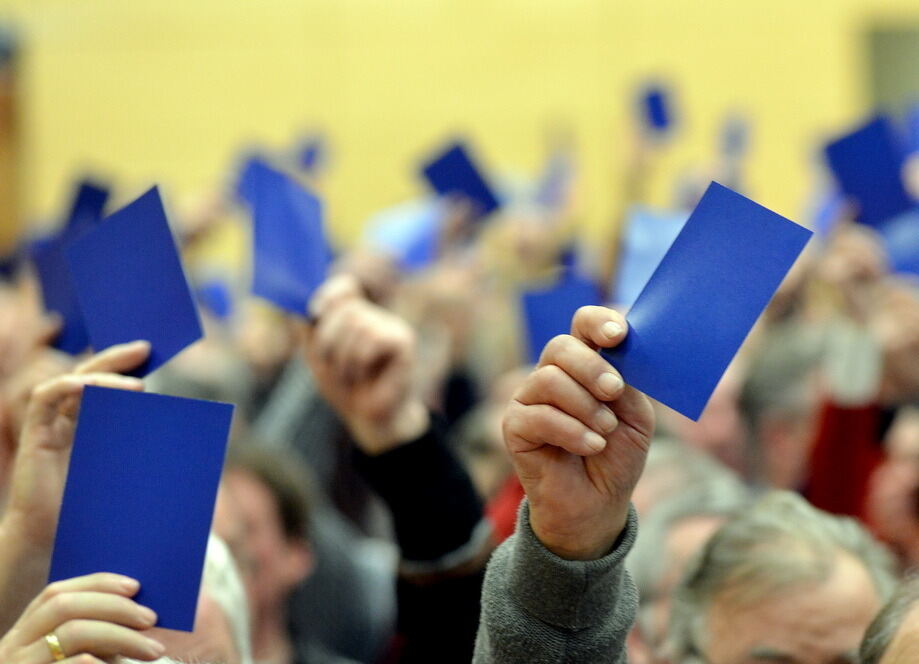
(263, 513)
(703, 495)
(777, 404)
(781, 582)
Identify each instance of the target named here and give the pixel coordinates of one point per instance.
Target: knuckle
(62, 604)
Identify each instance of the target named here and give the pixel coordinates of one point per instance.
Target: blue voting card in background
(130, 284)
(409, 232)
(655, 102)
(59, 295)
(216, 297)
(291, 252)
(140, 493)
(253, 169)
(548, 312)
(647, 236)
(88, 205)
(311, 154)
(912, 128)
(867, 164)
(700, 303)
(453, 172)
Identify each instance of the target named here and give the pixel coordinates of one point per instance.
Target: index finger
(599, 327)
(116, 359)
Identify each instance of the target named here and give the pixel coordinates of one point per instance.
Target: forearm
(537, 607)
(23, 572)
(437, 515)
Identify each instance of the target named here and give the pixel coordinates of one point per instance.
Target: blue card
(215, 296)
(291, 253)
(311, 154)
(548, 312)
(252, 171)
(88, 205)
(912, 128)
(655, 103)
(140, 495)
(409, 233)
(647, 237)
(867, 164)
(453, 172)
(130, 285)
(700, 303)
(59, 295)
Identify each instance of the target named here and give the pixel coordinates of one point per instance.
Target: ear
(300, 561)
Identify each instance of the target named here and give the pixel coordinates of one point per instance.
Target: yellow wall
(168, 90)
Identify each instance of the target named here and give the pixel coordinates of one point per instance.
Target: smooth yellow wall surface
(169, 91)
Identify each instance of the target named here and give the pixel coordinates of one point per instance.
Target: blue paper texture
(140, 493)
(867, 164)
(453, 172)
(130, 284)
(704, 297)
(548, 312)
(292, 254)
(648, 235)
(59, 296)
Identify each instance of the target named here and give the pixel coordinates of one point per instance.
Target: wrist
(588, 542)
(408, 423)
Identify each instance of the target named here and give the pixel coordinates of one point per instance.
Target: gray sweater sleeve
(539, 608)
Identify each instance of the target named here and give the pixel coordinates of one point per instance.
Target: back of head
(781, 543)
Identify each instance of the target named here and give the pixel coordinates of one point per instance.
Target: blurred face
(810, 625)
(247, 517)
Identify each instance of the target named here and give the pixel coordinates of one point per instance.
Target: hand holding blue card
(130, 284)
(140, 495)
(704, 297)
(453, 172)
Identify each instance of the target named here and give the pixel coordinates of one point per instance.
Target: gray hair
(781, 542)
(884, 627)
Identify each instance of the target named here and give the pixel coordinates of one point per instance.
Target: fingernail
(141, 343)
(129, 584)
(155, 647)
(605, 420)
(148, 616)
(611, 330)
(594, 441)
(609, 383)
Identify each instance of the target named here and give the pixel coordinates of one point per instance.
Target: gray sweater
(539, 608)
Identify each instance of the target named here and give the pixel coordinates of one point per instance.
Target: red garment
(846, 451)
(502, 509)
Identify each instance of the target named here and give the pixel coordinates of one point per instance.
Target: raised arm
(557, 591)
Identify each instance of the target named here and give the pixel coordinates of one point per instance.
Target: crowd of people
(403, 486)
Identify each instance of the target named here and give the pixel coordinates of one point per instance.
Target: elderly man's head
(782, 582)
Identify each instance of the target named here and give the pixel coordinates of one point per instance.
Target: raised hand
(578, 438)
(40, 471)
(363, 359)
(90, 619)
